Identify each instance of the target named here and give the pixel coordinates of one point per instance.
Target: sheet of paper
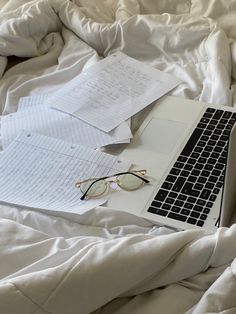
(36, 117)
(112, 90)
(40, 172)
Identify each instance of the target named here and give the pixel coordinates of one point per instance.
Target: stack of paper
(40, 169)
(33, 115)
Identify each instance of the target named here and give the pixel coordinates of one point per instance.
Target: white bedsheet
(105, 261)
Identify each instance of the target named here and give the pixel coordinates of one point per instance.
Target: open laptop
(183, 144)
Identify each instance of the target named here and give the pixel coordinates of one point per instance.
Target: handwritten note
(112, 90)
(40, 172)
(33, 115)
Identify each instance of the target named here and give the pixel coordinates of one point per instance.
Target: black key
(198, 208)
(207, 115)
(191, 199)
(227, 114)
(192, 221)
(208, 167)
(224, 138)
(187, 188)
(209, 186)
(226, 132)
(202, 179)
(202, 160)
(178, 184)
(211, 142)
(203, 217)
(213, 179)
(194, 214)
(194, 155)
(188, 205)
(156, 204)
(215, 137)
(212, 161)
(218, 149)
(205, 194)
(177, 216)
(166, 206)
(188, 167)
(185, 212)
(217, 115)
(195, 173)
(210, 110)
(200, 223)
(175, 209)
(161, 195)
(220, 126)
(169, 200)
(205, 154)
(201, 143)
(192, 142)
(208, 148)
(213, 122)
(218, 132)
(175, 171)
(219, 184)
(223, 121)
(205, 173)
(192, 179)
(171, 178)
(216, 173)
(201, 125)
(173, 194)
(220, 143)
(195, 193)
(206, 210)
(207, 132)
(162, 212)
(198, 186)
(215, 155)
(204, 138)
(178, 165)
(204, 120)
(198, 166)
(216, 190)
(201, 202)
(185, 173)
(198, 149)
(192, 161)
(209, 204)
(166, 185)
(152, 210)
(179, 203)
(222, 160)
(182, 158)
(182, 197)
(210, 127)
(213, 197)
(219, 166)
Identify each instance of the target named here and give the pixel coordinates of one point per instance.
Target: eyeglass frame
(145, 180)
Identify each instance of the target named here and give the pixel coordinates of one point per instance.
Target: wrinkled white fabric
(104, 261)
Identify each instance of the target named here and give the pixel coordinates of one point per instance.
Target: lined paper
(40, 172)
(111, 91)
(33, 115)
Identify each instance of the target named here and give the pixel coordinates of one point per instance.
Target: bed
(106, 261)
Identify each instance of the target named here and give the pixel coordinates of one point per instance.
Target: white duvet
(103, 261)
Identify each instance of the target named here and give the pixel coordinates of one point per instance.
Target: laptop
(183, 144)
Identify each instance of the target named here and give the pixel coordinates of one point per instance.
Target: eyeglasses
(128, 181)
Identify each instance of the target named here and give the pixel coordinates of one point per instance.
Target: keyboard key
(178, 184)
(194, 214)
(178, 165)
(192, 142)
(198, 208)
(169, 200)
(192, 221)
(177, 216)
(152, 210)
(161, 195)
(205, 194)
(185, 212)
(217, 115)
(182, 197)
(201, 202)
(167, 185)
(203, 217)
(213, 179)
(161, 212)
(188, 205)
(173, 194)
(175, 171)
(156, 204)
(200, 223)
(171, 178)
(182, 159)
(187, 188)
(166, 206)
(175, 209)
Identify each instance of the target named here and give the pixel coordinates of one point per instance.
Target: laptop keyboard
(192, 185)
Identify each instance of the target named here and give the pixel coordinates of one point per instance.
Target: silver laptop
(183, 144)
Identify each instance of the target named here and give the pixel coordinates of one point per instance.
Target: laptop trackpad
(161, 135)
